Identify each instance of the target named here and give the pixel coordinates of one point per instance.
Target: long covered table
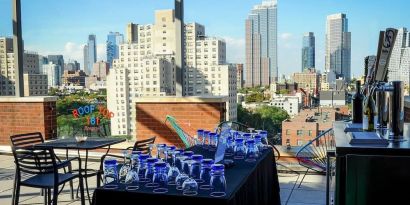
(247, 184)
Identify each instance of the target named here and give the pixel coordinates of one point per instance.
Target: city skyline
(64, 35)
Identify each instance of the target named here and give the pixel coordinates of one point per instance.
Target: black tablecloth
(247, 183)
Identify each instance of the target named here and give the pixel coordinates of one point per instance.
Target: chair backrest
(185, 137)
(26, 140)
(34, 161)
(143, 145)
(313, 154)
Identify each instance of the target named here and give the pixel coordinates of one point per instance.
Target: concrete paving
(311, 192)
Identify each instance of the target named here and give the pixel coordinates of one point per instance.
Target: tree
(254, 97)
(264, 118)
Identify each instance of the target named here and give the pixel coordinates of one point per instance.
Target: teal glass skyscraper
(261, 45)
(90, 54)
(308, 51)
(114, 39)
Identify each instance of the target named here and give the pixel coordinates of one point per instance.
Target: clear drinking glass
(151, 149)
(212, 141)
(132, 177)
(149, 173)
(173, 171)
(206, 174)
(160, 177)
(124, 168)
(206, 139)
(200, 136)
(110, 174)
(252, 152)
(188, 155)
(264, 135)
(230, 146)
(218, 182)
(190, 186)
(143, 167)
(182, 175)
(258, 143)
(240, 149)
(161, 150)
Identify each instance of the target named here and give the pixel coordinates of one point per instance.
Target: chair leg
(44, 193)
(71, 185)
(303, 178)
(14, 189)
(17, 194)
(55, 195)
(49, 196)
(80, 179)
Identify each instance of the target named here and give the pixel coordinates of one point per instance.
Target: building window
(299, 132)
(310, 132)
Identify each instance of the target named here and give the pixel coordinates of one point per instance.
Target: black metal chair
(27, 141)
(314, 155)
(43, 170)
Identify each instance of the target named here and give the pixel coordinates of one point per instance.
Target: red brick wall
(25, 117)
(289, 131)
(191, 116)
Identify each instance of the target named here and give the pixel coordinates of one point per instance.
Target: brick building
(309, 123)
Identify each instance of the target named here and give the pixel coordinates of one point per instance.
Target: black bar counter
(369, 173)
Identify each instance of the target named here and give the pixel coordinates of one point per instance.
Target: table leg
(71, 182)
(86, 178)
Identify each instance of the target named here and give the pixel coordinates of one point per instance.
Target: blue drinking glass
(196, 167)
(240, 149)
(110, 173)
(218, 182)
(160, 178)
(200, 136)
(206, 139)
(206, 173)
(143, 167)
(252, 151)
(149, 173)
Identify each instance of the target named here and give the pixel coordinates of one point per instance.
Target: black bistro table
(89, 144)
(247, 184)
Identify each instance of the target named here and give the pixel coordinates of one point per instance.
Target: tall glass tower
(261, 45)
(90, 54)
(114, 39)
(338, 47)
(308, 51)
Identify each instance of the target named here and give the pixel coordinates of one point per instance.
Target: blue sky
(62, 26)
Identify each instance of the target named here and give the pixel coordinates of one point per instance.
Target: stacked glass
(149, 173)
(206, 173)
(206, 139)
(160, 177)
(252, 151)
(218, 182)
(240, 149)
(143, 167)
(132, 177)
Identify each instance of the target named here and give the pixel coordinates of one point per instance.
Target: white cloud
(73, 51)
(286, 36)
(235, 49)
(102, 52)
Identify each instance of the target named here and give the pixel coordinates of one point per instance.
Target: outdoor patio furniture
(142, 145)
(43, 170)
(314, 155)
(231, 125)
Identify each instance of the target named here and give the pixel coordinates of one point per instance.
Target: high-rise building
(132, 33)
(114, 39)
(338, 47)
(53, 73)
(239, 76)
(399, 64)
(308, 51)
(308, 80)
(90, 54)
(100, 70)
(261, 45)
(147, 67)
(31, 71)
(72, 66)
(59, 61)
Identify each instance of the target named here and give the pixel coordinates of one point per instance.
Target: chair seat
(47, 180)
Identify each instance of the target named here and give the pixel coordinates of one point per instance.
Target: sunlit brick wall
(29, 114)
(191, 113)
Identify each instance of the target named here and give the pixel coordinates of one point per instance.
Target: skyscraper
(261, 45)
(132, 33)
(114, 39)
(338, 49)
(399, 64)
(90, 54)
(59, 61)
(308, 51)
